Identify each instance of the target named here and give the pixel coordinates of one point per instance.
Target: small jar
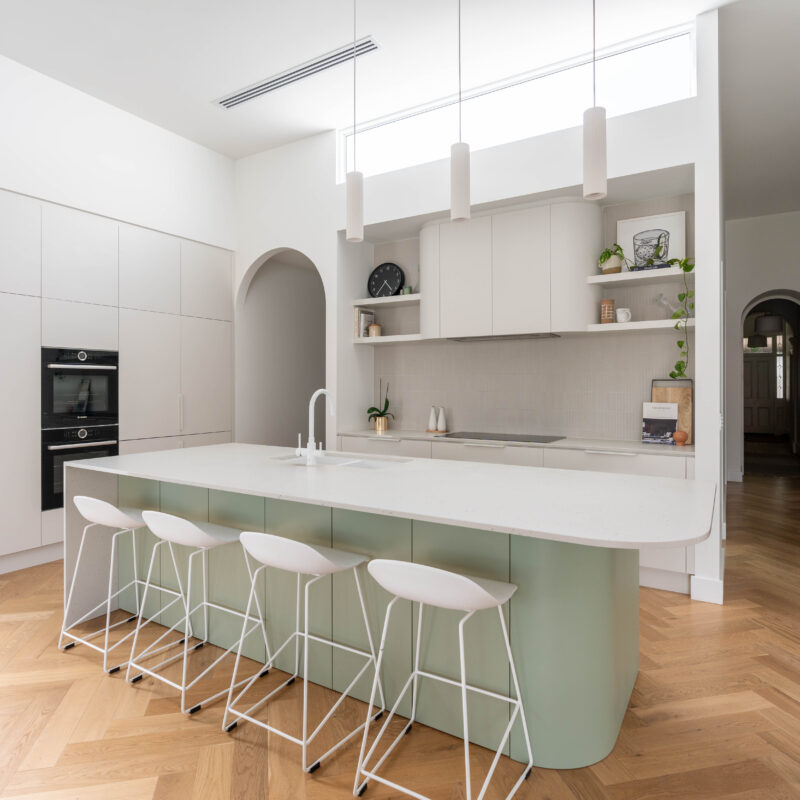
(375, 329)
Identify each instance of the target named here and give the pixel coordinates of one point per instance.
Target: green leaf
(681, 343)
(677, 326)
(682, 296)
(372, 409)
(385, 406)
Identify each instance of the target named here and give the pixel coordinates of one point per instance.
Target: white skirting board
(664, 579)
(31, 558)
(709, 590)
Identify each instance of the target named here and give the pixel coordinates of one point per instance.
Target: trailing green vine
(686, 299)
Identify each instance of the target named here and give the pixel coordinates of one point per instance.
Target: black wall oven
(80, 413)
(79, 387)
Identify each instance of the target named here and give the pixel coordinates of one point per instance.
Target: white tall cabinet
(20, 470)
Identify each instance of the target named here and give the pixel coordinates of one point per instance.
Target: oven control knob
(83, 433)
(82, 355)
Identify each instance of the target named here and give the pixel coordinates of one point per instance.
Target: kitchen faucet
(310, 450)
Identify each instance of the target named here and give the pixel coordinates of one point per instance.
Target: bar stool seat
(440, 588)
(201, 537)
(313, 562)
(125, 520)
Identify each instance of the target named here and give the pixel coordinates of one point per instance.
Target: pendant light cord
(354, 85)
(459, 71)
(594, 54)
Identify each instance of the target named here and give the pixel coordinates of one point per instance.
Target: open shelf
(642, 325)
(395, 339)
(388, 302)
(639, 277)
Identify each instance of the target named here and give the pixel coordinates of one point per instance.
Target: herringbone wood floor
(715, 712)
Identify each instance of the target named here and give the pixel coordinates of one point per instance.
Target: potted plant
(380, 416)
(612, 260)
(685, 298)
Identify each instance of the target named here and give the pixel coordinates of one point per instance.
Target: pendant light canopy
(459, 157)
(355, 180)
(595, 177)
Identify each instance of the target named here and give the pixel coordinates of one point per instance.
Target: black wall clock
(385, 280)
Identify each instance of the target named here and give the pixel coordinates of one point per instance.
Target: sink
(329, 460)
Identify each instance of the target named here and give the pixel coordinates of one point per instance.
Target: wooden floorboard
(715, 712)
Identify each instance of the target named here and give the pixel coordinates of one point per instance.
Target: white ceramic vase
(441, 424)
(432, 419)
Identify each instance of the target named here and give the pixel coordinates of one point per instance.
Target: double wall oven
(80, 412)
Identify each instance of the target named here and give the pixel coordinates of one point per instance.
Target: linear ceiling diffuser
(339, 56)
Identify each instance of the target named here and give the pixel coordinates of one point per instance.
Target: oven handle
(80, 444)
(82, 366)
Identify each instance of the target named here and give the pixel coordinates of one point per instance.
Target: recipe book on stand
(659, 422)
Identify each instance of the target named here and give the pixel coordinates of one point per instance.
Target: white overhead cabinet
(521, 271)
(576, 239)
(149, 270)
(429, 282)
(20, 244)
(206, 281)
(465, 277)
(68, 324)
(206, 375)
(149, 374)
(20, 468)
(79, 256)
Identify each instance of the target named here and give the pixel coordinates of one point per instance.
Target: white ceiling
(167, 60)
(759, 107)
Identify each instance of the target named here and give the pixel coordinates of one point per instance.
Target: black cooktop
(502, 437)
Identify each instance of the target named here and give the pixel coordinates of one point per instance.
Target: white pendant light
(595, 177)
(355, 180)
(459, 157)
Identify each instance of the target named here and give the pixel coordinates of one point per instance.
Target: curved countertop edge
(112, 465)
(567, 443)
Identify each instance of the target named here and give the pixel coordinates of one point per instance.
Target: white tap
(310, 451)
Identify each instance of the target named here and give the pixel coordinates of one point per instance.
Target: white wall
(281, 331)
(61, 145)
(761, 256)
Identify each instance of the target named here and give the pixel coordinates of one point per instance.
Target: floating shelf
(388, 302)
(642, 325)
(396, 339)
(639, 277)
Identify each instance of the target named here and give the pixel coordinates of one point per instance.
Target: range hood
(504, 337)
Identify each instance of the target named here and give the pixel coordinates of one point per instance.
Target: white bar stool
(125, 520)
(316, 562)
(437, 587)
(202, 536)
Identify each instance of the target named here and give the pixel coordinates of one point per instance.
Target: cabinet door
(429, 282)
(150, 445)
(206, 375)
(203, 439)
(491, 453)
(576, 237)
(20, 401)
(665, 466)
(386, 446)
(149, 374)
(82, 325)
(465, 277)
(206, 281)
(79, 256)
(149, 270)
(20, 244)
(521, 271)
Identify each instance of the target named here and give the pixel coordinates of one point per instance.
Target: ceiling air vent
(320, 64)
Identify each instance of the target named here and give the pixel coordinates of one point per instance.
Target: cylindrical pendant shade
(594, 153)
(459, 181)
(757, 340)
(769, 323)
(355, 207)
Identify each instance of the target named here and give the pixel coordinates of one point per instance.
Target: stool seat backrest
(293, 556)
(177, 530)
(101, 512)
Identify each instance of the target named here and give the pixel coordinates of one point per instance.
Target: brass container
(381, 424)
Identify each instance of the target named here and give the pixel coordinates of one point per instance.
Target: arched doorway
(280, 349)
(770, 384)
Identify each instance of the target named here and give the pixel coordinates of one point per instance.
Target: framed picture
(660, 237)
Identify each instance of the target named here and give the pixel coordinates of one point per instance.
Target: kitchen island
(570, 541)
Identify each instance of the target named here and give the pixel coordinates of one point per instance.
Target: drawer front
(385, 446)
(492, 453)
(607, 461)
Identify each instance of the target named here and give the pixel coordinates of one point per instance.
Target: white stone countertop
(605, 445)
(589, 508)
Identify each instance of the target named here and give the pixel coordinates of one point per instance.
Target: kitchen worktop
(589, 508)
(605, 445)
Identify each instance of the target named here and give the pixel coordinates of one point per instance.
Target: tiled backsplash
(589, 386)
